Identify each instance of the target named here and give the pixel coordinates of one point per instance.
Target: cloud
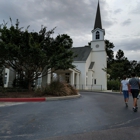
(131, 55)
(129, 46)
(65, 15)
(118, 11)
(126, 22)
(76, 18)
(136, 8)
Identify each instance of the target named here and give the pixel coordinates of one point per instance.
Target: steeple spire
(98, 23)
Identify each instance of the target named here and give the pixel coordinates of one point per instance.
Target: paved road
(101, 116)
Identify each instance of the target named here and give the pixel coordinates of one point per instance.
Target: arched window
(97, 35)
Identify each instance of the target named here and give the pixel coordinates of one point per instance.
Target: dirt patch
(23, 95)
(18, 95)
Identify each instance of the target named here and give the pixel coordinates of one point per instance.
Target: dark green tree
(120, 68)
(1, 76)
(110, 56)
(137, 69)
(120, 55)
(109, 51)
(33, 54)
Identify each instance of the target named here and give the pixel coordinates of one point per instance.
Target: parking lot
(93, 115)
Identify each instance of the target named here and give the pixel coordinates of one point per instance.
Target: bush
(57, 88)
(8, 89)
(113, 85)
(39, 92)
(20, 83)
(1, 82)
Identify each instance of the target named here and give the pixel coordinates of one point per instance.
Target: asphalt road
(93, 116)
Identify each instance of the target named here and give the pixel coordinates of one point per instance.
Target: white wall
(82, 67)
(89, 73)
(9, 75)
(100, 59)
(6, 77)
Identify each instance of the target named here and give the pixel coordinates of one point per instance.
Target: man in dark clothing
(134, 84)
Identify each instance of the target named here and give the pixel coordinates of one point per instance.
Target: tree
(32, 54)
(120, 55)
(109, 51)
(137, 69)
(120, 68)
(1, 76)
(110, 57)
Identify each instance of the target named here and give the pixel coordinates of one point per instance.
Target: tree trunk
(29, 86)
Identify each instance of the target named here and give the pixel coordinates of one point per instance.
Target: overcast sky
(120, 19)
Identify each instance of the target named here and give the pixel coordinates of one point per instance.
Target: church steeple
(98, 46)
(98, 33)
(98, 23)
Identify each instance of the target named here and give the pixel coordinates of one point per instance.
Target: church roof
(81, 52)
(98, 23)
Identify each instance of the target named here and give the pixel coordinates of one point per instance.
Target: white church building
(89, 63)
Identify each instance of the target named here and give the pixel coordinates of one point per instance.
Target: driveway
(101, 116)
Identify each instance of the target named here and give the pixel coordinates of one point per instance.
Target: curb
(63, 97)
(38, 99)
(22, 99)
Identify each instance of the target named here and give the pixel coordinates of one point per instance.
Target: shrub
(57, 88)
(113, 85)
(39, 92)
(10, 89)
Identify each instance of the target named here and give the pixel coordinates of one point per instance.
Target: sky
(120, 19)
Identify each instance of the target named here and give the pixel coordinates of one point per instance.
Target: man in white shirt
(124, 87)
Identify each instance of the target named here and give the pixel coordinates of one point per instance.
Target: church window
(97, 35)
(39, 80)
(5, 80)
(67, 77)
(95, 81)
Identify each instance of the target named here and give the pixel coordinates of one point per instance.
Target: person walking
(125, 88)
(134, 83)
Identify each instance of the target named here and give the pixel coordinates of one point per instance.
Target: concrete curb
(63, 97)
(22, 99)
(38, 99)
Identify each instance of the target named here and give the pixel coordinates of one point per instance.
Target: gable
(81, 52)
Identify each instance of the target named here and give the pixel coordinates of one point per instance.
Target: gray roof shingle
(81, 52)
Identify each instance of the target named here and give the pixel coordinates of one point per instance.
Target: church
(90, 62)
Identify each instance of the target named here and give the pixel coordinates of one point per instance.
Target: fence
(88, 87)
